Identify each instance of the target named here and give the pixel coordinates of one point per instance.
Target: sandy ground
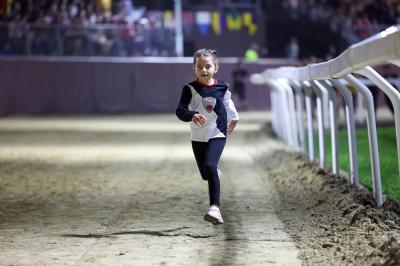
(125, 190)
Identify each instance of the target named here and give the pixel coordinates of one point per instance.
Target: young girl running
(206, 103)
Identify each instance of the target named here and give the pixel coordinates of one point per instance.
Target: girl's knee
(211, 171)
(210, 168)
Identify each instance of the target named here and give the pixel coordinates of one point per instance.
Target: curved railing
(298, 84)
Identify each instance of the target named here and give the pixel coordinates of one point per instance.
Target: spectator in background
(292, 49)
(331, 53)
(263, 51)
(251, 54)
(362, 26)
(239, 77)
(3, 8)
(292, 7)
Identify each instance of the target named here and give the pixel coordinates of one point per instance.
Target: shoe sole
(213, 220)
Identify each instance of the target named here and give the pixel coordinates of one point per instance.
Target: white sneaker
(214, 216)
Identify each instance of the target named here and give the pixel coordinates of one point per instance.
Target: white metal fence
(293, 86)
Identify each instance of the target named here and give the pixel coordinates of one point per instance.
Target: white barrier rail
(324, 79)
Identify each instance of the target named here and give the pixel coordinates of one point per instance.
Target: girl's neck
(209, 83)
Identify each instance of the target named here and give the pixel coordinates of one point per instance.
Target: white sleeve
(230, 107)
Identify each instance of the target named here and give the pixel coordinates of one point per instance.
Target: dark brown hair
(206, 52)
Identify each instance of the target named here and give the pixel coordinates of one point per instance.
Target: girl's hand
(232, 126)
(199, 120)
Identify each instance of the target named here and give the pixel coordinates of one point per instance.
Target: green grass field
(387, 156)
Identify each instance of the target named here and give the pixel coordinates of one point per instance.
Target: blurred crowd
(83, 27)
(117, 28)
(71, 12)
(351, 20)
(363, 17)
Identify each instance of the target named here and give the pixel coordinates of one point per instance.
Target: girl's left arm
(230, 107)
(231, 112)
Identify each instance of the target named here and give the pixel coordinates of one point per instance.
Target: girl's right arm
(182, 111)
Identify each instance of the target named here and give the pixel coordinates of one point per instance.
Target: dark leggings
(207, 155)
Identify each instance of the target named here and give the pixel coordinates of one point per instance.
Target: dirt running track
(125, 190)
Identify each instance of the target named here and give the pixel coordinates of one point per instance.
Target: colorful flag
(203, 21)
(248, 22)
(234, 22)
(187, 22)
(216, 22)
(223, 20)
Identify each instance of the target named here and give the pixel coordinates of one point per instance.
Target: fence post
(275, 98)
(300, 114)
(310, 127)
(275, 124)
(284, 110)
(393, 95)
(292, 112)
(333, 125)
(321, 127)
(372, 136)
(351, 130)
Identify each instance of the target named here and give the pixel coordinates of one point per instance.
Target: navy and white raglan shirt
(212, 101)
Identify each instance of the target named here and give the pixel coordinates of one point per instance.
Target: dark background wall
(59, 85)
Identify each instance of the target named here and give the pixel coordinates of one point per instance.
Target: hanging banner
(223, 21)
(187, 21)
(216, 22)
(248, 22)
(234, 22)
(203, 21)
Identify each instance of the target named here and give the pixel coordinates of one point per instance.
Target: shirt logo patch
(209, 103)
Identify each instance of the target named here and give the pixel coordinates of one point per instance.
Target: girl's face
(205, 68)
